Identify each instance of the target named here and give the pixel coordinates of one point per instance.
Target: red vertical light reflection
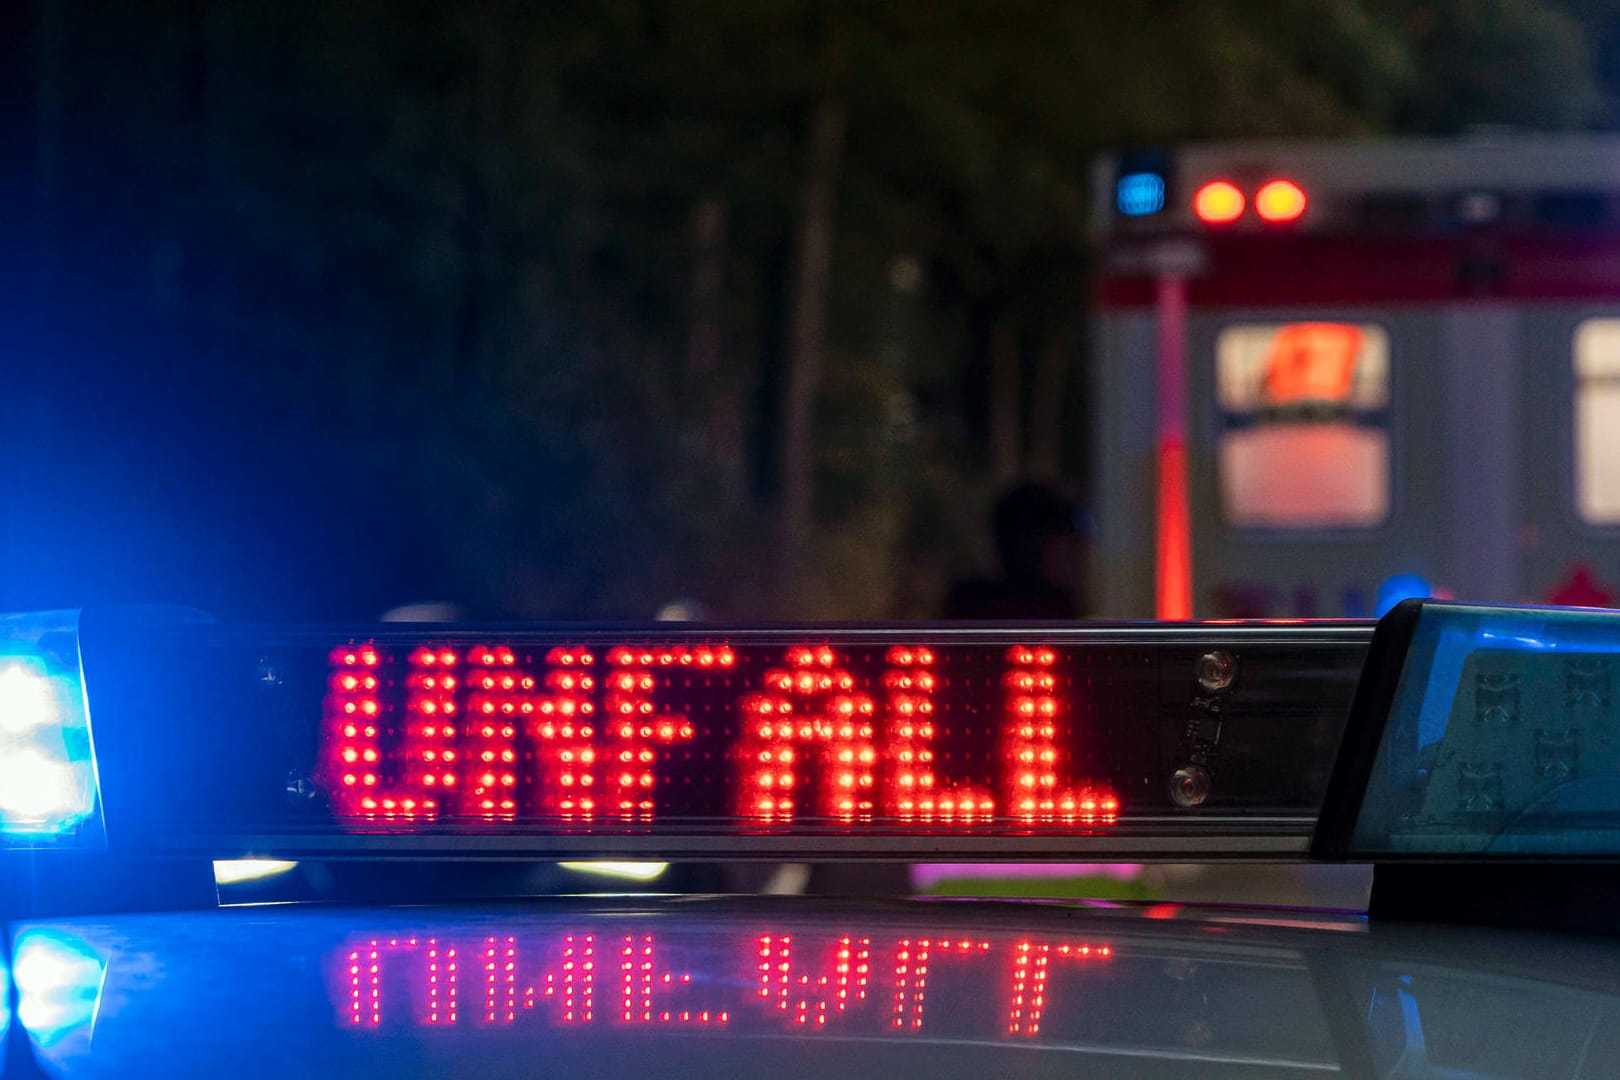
(436, 965)
(636, 968)
(500, 979)
(1035, 789)
(501, 697)
(442, 982)
(575, 986)
(1031, 964)
(914, 793)
(643, 985)
(808, 997)
(812, 702)
(911, 974)
(563, 726)
(365, 986)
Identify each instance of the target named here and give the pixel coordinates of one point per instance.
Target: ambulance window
(1304, 439)
(1597, 421)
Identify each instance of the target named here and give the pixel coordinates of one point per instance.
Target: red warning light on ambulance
(1218, 202)
(1279, 201)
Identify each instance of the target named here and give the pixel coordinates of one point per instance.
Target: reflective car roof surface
(779, 987)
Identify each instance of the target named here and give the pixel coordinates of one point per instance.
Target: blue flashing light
(48, 785)
(1503, 738)
(1398, 587)
(59, 980)
(1139, 194)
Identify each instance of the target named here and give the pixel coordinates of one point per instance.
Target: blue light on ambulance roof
(1397, 587)
(1139, 194)
(48, 787)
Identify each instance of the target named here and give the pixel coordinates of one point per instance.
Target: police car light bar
(48, 790)
(983, 742)
(1480, 733)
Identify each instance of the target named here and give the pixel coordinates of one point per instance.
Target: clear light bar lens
(237, 871)
(623, 871)
(1503, 738)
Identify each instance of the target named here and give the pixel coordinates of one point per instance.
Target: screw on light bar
(48, 788)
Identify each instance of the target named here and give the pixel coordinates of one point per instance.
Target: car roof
(772, 986)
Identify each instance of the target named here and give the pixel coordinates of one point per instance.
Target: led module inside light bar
(479, 732)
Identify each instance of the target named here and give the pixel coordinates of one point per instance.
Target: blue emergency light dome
(48, 788)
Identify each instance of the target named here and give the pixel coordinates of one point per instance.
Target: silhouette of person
(1041, 542)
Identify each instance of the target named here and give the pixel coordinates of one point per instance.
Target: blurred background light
(1398, 587)
(1218, 202)
(1139, 194)
(1279, 201)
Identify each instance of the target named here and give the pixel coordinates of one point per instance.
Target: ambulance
(1331, 375)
